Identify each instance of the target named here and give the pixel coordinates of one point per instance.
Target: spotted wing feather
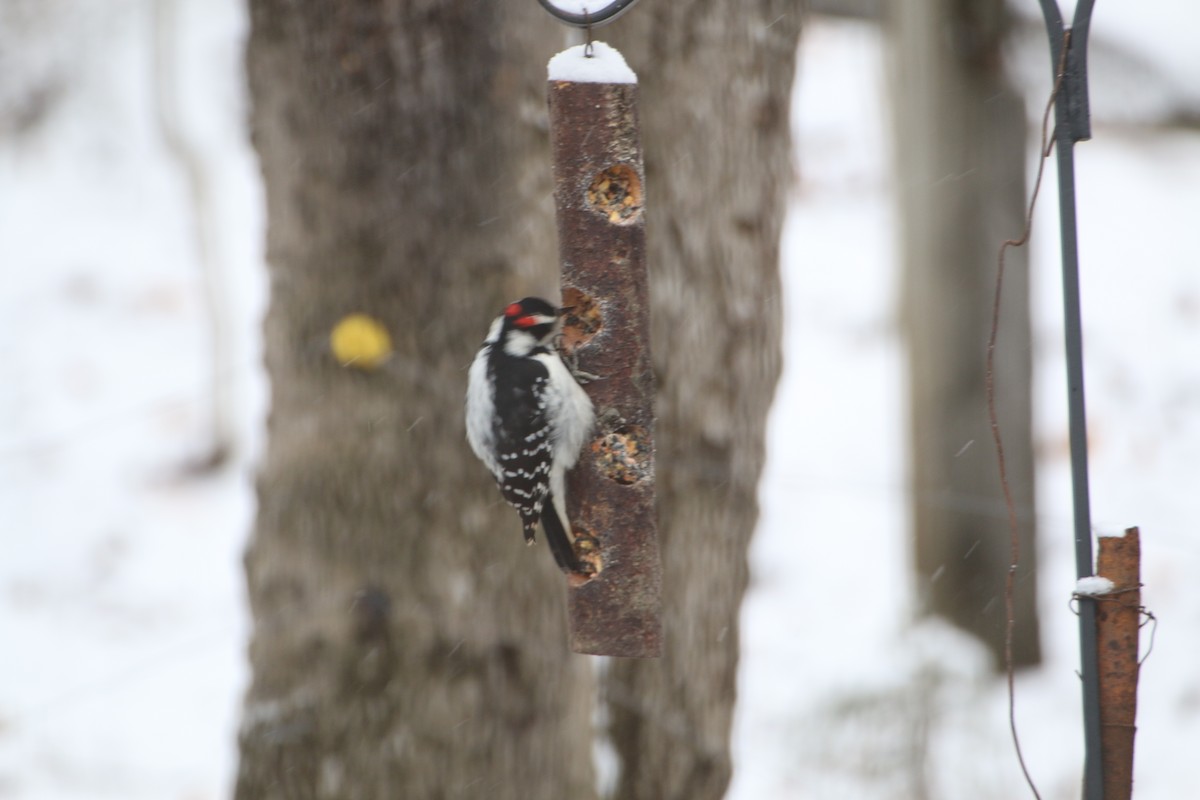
(522, 437)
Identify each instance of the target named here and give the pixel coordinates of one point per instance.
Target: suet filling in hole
(623, 455)
(581, 320)
(616, 192)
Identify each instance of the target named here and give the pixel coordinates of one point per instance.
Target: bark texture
(598, 193)
(406, 644)
(715, 82)
(960, 156)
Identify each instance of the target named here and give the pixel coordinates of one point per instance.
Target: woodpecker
(527, 418)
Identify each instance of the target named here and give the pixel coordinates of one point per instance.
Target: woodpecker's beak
(565, 309)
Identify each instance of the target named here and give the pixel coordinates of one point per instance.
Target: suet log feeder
(599, 193)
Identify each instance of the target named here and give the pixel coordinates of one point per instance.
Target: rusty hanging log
(600, 204)
(1118, 618)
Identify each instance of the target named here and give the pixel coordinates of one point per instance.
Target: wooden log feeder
(600, 206)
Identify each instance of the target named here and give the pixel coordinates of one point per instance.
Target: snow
(122, 617)
(604, 65)
(1093, 585)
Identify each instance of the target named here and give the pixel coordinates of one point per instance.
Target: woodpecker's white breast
(481, 402)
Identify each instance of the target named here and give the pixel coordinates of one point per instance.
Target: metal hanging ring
(588, 18)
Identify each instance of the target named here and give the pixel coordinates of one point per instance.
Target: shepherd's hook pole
(1072, 125)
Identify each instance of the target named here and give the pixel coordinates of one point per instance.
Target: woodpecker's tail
(558, 538)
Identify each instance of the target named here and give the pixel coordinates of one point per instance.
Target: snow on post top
(1093, 585)
(606, 65)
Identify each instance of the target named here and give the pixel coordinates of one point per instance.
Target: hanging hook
(587, 19)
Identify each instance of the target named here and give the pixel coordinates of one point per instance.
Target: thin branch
(990, 384)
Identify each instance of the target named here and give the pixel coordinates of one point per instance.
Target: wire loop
(588, 19)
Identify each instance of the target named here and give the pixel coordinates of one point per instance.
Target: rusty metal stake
(1118, 619)
(599, 199)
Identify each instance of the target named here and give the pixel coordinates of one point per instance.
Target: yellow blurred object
(360, 341)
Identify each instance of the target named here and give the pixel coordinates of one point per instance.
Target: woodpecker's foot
(610, 420)
(581, 377)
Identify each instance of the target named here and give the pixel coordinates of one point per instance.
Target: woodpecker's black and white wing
(522, 437)
(508, 428)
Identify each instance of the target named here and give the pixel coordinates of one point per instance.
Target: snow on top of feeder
(1110, 535)
(1093, 585)
(605, 65)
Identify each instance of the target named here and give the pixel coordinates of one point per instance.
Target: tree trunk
(406, 643)
(960, 156)
(716, 83)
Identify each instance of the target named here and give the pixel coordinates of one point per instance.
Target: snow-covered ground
(122, 621)
(122, 616)
(843, 694)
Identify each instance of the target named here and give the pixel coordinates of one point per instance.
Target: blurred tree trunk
(960, 157)
(406, 644)
(716, 84)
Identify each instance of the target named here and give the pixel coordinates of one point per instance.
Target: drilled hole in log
(624, 454)
(616, 193)
(581, 323)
